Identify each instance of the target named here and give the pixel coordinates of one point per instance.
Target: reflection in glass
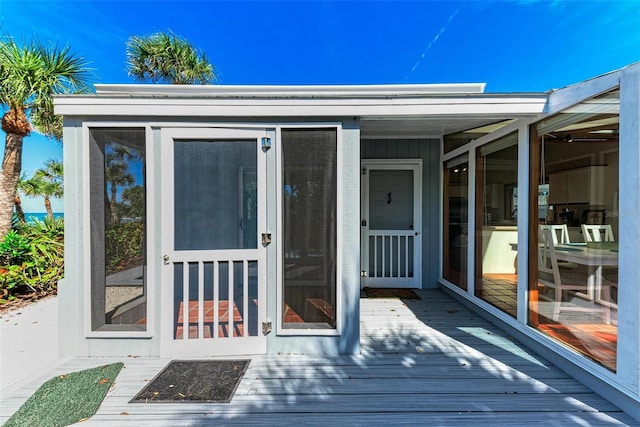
(309, 219)
(575, 165)
(455, 223)
(118, 215)
(496, 225)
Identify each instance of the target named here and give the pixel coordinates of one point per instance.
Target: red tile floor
(596, 340)
(208, 319)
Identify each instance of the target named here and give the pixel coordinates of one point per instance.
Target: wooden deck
(425, 362)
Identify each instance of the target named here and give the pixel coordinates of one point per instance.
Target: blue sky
(513, 46)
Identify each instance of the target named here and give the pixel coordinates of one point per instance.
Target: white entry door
(214, 261)
(391, 223)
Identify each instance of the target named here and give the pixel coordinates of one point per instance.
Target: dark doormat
(390, 293)
(207, 381)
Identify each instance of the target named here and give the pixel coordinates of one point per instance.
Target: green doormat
(66, 399)
(210, 381)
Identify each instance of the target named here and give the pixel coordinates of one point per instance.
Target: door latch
(266, 239)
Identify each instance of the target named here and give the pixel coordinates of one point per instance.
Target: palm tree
(116, 174)
(52, 175)
(29, 76)
(37, 186)
(18, 201)
(166, 57)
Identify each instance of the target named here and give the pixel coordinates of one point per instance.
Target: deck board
(426, 362)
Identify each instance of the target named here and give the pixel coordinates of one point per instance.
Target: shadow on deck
(425, 362)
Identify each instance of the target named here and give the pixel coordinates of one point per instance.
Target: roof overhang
(401, 109)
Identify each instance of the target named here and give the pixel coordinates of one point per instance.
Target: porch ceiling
(420, 127)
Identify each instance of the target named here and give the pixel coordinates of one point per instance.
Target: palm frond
(166, 57)
(31, 73)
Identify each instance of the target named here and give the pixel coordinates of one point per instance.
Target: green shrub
(32, 259)
(14, 249)
(123, 246)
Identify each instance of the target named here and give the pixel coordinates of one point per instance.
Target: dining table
(595, 256)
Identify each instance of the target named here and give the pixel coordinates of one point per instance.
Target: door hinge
(266, 327)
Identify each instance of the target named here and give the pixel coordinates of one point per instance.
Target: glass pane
(496, 224)
(391, 200)
(575, 164)
(458, 139)
(118, 227)
(310, 209)
(455, 222)
(215, 195)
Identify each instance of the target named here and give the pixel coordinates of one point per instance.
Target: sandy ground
(28, 341)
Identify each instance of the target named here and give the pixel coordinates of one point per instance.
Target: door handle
(165, 259)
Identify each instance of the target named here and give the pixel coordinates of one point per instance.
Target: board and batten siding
(427, 149)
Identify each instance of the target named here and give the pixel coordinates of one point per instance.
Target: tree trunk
(114, 211)
(11, 165)
(18, 205)
(47, 206)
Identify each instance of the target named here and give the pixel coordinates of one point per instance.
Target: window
(496, 235)
(573, 281)
(118, 229)
(455, 222)
(309, 158)
(458, 139)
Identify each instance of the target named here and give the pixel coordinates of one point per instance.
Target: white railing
(390, 253)
(215, 299)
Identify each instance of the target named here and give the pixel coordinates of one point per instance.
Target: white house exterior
(224, 220)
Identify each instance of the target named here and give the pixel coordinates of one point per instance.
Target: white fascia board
(560, 99)
(202, 107)
(284, 91)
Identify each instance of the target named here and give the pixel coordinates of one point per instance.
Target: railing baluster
(185, 301)
(398, 259)
(375, 256)
(201, 299)
(230, 304)
(245, 298)
(216, 298)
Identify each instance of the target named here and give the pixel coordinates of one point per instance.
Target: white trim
(290, 90)
(86, 229)
(522, 287)
(471, 224)
(86, 234)
(279, 327)
(223, 346)
(388, 107)
(414, 165)
(561, 99)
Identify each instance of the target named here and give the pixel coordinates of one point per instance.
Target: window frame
(106, 330)
(279, 327)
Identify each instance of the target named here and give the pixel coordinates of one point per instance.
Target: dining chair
(550, 277)
(559, 230)
(560, 235)
(592, 233)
